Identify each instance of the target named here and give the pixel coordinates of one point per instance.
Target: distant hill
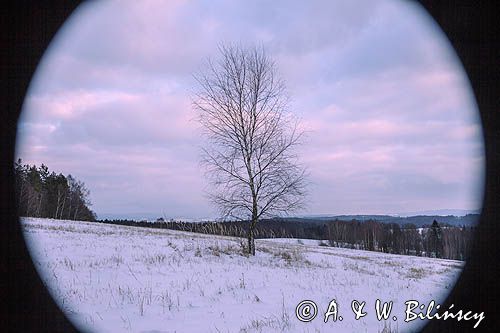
(419, 221)
(441, 212)
(130, 216)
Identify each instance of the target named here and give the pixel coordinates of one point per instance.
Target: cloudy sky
(393, 125)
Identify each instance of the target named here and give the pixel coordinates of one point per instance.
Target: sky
(392, 123)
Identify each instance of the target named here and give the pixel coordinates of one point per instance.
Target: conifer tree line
(448, 242)
(435, 240)
(42, 193)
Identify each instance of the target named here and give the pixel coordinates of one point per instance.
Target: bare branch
(250, 159)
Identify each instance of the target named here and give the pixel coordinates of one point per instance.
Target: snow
(298, 241)
(110, 278)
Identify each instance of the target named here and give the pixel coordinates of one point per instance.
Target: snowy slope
(111, 278)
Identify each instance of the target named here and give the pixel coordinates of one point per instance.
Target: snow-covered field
(109, 278)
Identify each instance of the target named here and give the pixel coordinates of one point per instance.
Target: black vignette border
(468, 25)
(27, 30)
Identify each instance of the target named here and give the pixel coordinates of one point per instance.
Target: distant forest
(45, 194)
(41, 193)
(433, 240)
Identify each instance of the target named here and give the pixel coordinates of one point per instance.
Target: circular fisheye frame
(185, 166)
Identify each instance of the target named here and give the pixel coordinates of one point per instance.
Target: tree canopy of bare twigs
(250, 157)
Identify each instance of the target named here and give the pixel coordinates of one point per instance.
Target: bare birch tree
(250, 158)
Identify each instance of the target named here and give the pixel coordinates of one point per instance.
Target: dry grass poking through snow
(125, 279)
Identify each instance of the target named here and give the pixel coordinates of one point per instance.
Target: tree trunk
(70, 206)
(38, 214)
(251, 237)
(76, 212)
(58, 202)
(62, 208)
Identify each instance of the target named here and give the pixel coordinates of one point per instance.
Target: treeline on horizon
(45, 194)
(435, 240)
